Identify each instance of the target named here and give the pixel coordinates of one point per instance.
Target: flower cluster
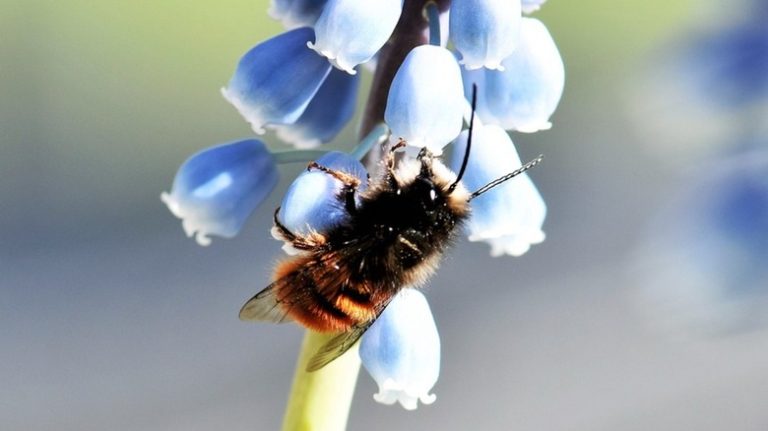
(702, 265)
(303, 84)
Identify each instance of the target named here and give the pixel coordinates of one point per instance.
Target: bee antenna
(463, 168)
(506, 177)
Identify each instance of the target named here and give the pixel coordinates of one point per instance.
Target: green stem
(320, 400)
(378, 135)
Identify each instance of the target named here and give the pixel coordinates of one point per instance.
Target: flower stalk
(320, 400)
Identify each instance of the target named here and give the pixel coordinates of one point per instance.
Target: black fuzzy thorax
(395, 233)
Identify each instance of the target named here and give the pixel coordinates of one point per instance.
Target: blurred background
(110, 318)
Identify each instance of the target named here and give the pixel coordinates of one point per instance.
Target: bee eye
(432, 195)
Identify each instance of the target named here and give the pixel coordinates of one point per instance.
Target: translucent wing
(339, 344)
(317, 291)
(265, 307)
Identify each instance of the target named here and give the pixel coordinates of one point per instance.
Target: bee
(394, 238)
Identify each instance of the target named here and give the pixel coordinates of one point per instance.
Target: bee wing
(265, 307)
(336, 347)
(339, 344)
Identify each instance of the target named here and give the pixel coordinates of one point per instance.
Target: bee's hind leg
(303, 243)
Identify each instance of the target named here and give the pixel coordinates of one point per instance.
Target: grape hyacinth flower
(510, 218)
(302, 85)
(275, 81)
(401, 351)
(425, 105)
(524, 95)
(327, 113)
(701, 267)
(350, 32)
(312, 202)
(216, 189)
(485, 32)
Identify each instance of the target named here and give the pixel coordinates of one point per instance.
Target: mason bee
(396, 233)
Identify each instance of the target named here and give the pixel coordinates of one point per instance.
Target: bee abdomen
(326, 308)
(356, 304)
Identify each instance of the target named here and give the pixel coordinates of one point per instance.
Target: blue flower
(730, 66)
(527, 92)
(216, 189)
(508, 217)
(530, 6)
(275, 81)
(350, 32)
(329, 111)
(313, 202)
(401, 351)
(426, 104)
(485, 32)
(704, 265)
(296, 13)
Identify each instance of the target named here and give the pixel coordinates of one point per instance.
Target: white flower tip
(333, 58)
(190, 225)
(489, 64)
(428, 399)
(515, 246)
(294, 136)
(194, 231)
(202, 239)
(533, 128)
(171, 203)
(250, 115)
(468, 66)
(391, 393)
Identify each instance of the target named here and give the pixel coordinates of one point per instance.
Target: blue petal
(275, 81)
(530, 6)
(485, 32)
(296, 13)
(328, 112)
(508, 217)
(312, 202)
(216, 189)
(526, 93)
(350, 32)
(426, 105)
(401, 351)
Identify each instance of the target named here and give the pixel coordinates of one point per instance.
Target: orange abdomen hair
(319, 295)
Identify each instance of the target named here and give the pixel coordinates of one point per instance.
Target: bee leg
(351, 183)
(304, 243)
(389, 163)
(426, 158)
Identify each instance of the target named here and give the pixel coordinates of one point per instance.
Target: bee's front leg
(389, 163)
(350, 182)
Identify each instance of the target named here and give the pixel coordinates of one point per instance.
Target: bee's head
(435, 185)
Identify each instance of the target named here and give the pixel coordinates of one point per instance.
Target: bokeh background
(110, 318)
